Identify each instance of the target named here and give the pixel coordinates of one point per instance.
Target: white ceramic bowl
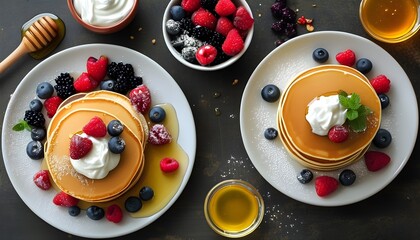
(177, 55)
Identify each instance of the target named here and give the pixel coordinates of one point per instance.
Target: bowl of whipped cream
(103, 16)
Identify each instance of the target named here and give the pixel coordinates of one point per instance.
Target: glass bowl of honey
(234, 208)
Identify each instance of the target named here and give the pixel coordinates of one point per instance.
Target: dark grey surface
(390, 214)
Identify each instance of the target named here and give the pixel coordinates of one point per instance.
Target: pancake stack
(70, 119)
(309, 149)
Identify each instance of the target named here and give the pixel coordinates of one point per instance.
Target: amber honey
(390, 20)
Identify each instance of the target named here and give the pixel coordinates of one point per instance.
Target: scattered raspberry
(233, 43)
(65, 200)
(95, 127)
(51, 105)
(42, 179)
(114, 213)
(224, 25)
(169, 165)
(225, 8)
(190, 5)
(85, 83)
(206, 54)
(159, 135)
(97, 68)
(243, 19)
(347, 58)
(79, 146)
(325, 185)
(140, 98)
(376, 160)
(204, 18)
(338, 134)
(381, 84)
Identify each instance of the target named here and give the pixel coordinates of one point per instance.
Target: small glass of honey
(233, 208)
(390, 21)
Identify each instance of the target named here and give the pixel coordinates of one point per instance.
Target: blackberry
(276, 9)
(201, 33)
(279, 26)
(221, 57)
(187, 24)
(34, 118)
(122, 84)
(216, 40)
(64, 87)
(135, 81)
(291, 30)
(64, 79)
(209, 4)
(289, 15)
(118, 69)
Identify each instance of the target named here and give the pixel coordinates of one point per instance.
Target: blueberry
(347, 177)
(270, 133)
(157, 114)
(364, 65)
(35, 150)
(382, 138)
(270, 93)
(44, 90)
(116, 145)
(38, 134)
(133, 204)
(384, 100)
(107, 85)
(95, 212)
(305, 176)
(320, 55)
(177, 12)
(36, 105)
(146, 193)
(173, 27)
(74, 211)
(115, 128)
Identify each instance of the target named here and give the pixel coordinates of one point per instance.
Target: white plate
(20, 168)
(271, 159)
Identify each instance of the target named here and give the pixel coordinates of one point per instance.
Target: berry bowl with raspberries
(207, 35)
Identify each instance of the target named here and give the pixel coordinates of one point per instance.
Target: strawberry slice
(65, 200)
(325, 185)
(97, 68)
(79, 146)
(376, 160)
(140, 98)
(85, 83)
(95, 127)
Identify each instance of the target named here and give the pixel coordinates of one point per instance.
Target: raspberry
(159, 135)
(95, 127)
(325, 185)
(85, 83)
(338, 134)
(97, 68)
(206, 54)
(140, 98)
(114, 213)
(204, 18)
(51, 105)
(224, 25)
(381, 84)
(233, 43)
(65, 200)
(79, 146)
(347, 57)
(243, 19)
(225, 8)
(190, 5)
(34, 118)
(42, 180)
(376, 160)
(169, 165)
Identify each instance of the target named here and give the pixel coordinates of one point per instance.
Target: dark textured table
(393, 213)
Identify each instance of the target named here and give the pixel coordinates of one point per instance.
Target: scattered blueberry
(270, 133)
(107, 85)
(347, 177)
(305, 176)
(270, 93)
(320, 55)
(115, 128)
(44, 90)
(35, 150)
(133, 204)
(382, 138)
(36, 105)
(364, 65)
(95, 212)
(74, 211)
(116, 145)
(146, 193)
(157, 114)
(177, 12)
(38, 134)
(384, 100)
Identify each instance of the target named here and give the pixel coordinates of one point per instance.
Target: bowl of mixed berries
(207, 34)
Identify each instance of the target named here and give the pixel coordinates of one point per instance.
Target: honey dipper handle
(15, 55)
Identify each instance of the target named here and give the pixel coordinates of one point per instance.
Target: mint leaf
(342, 93)
(358, 124)
(21, 125)
(352, 114)
(354, 101)
(344, 100)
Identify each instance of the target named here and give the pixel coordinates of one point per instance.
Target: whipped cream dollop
(99, 161)
(325, 112)
(103, 12)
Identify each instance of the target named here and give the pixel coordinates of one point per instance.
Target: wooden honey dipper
(38, 36)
